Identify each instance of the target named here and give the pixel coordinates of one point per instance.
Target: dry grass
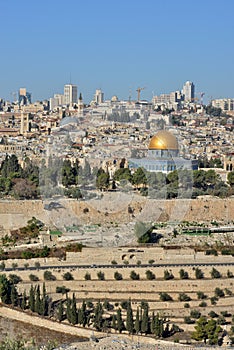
(14, 329)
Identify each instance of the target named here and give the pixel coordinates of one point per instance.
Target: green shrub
(225, 313)
(48, 276)
(118, 276)
(28, 254)
(219, 292)
(14, 266)
(221, 320)
(183, 274)
(195, 314)
(212, 314)
(226, 251)
(134, 275)
(203, 304)
(165, 296)
(37, 265)
(68, 276)
(87, 276)
(228, 292)
(183, 297)
(215, 273)
(214, 300)
(150, 275)
(168, 275)
(188, 320)
(62, 289)
(211, 252)
(33, 278)
(198, 273)
(201, 295)
(15, 279)
(124, 304)
(2, 266)
(89, 304)
(101, 275)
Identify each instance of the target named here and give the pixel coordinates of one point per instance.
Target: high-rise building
(226, 104)
(25, 98)
(70, 94)
(188, 91)
(99, 97)
(60, 98)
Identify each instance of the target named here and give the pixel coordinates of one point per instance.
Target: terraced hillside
(179, 289)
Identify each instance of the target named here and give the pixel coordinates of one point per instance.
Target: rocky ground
(14, 329)
(118, 343)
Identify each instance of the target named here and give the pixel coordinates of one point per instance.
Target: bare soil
(41, 336)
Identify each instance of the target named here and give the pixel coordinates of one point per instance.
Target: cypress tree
(84, 316)
(137, 325)
(24, 301)
(79, 316)
(68, 309)
(145, 321)
(38, 300)
(5, 289)
(105, 325)
(120, 324)
(98, 312)
(152, 324)
(60, 311)
(14, 295)
(113, 322)
(44, 304)
(31, 301)
(158, 327)
(129, 320)
(73, 310)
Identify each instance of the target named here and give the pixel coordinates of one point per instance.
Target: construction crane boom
(139, 92)
(201, 94)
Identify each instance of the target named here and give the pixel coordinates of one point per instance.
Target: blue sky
(117, 46)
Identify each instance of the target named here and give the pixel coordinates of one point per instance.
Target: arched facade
(229, 162)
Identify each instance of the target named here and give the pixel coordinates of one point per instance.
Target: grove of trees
(29, 182)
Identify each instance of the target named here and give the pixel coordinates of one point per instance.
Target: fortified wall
(15, 214)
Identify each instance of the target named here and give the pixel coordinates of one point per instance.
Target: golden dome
(164, 140)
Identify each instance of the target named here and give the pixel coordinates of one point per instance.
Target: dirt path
(37, 321)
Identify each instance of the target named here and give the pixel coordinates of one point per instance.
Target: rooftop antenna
(70, 78)
(130, 95)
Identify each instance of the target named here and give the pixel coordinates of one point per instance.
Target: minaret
(80, 106)
(24, 125)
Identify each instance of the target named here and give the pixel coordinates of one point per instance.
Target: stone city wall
(14, 214)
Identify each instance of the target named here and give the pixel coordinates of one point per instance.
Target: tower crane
(139, 92)
(14, 94)
(201, 97)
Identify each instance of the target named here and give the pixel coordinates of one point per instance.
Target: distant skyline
(117, 46)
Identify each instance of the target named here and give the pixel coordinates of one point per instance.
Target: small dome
(163, 140)
(114, 98)
(69, 120)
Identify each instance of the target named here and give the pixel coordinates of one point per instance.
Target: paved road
(118, 266)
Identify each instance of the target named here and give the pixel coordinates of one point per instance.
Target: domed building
(163, 155)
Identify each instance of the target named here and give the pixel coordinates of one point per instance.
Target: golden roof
(164, 140)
